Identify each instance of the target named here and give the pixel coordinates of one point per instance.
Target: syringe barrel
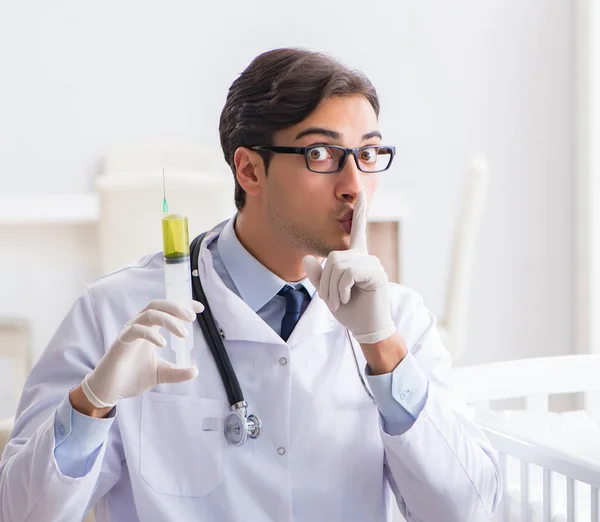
(178, 288)
(178, 284)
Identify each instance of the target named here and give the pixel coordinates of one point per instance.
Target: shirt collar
(256, 284)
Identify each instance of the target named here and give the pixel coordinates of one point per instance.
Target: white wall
(588, 162)
(454, 77)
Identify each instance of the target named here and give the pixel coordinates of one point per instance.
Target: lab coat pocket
(181, 444)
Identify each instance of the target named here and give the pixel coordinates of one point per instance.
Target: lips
(347, 216)
(346, 221)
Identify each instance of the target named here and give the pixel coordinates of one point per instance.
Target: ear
(249, 170)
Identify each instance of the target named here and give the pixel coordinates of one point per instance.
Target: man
(345, 370)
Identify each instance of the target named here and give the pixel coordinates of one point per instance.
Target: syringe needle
(165, 206)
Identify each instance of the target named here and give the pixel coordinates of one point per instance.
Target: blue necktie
(293, 309)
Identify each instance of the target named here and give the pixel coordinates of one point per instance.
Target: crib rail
(530, 453)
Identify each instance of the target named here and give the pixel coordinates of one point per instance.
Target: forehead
(351, 116)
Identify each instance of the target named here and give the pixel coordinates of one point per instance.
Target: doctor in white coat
(345, 370)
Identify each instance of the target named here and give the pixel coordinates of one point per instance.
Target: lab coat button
(281, 450)
(283, 361)
(61, 430)
(404, 395)
(331, 324)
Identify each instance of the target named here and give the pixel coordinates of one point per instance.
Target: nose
(349, 181)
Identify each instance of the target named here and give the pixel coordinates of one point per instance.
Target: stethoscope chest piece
(238, 427)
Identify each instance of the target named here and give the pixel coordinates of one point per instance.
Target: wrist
(376, 337)
(383, 356)
(81, 403)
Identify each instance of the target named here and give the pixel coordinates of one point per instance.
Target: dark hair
(279, 89)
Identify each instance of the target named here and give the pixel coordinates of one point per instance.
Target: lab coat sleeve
(443, 467)
(78, 439)
(32, 486)
(400, 395)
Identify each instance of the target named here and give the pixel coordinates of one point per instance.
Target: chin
(321, 245)
(340, 244)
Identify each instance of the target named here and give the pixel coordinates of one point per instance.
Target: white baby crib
(545, 457)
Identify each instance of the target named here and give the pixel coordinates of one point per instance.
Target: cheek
(370, 184)
(305, 202)
(305, 187)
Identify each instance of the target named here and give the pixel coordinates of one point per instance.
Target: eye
(368, 155)
(319, 154)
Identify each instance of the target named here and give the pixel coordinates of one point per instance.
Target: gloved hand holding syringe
(178, 284)
(131, 366)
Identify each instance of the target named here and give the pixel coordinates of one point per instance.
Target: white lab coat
(323, 454)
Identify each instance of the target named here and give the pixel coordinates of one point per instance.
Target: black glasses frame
(347, 152)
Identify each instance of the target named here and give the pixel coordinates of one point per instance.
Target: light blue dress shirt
(400, 395)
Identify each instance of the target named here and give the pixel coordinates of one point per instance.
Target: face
(310, 210)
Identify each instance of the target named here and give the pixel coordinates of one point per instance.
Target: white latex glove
(354, 285)
(131, 366)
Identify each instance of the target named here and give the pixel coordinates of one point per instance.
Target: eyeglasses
(327, 159)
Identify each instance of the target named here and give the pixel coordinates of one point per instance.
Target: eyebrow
(333, 134)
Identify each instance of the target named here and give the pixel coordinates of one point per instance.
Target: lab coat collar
(256, 284)
(236, 318)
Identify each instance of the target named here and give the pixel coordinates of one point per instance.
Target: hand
(354, 285)
(131, 366)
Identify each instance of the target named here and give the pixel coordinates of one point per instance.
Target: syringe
(178, 284)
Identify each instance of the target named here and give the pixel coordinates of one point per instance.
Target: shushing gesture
(354, 285)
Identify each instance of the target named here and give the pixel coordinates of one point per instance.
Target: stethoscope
(238, 425)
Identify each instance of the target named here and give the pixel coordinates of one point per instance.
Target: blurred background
(511, 80)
